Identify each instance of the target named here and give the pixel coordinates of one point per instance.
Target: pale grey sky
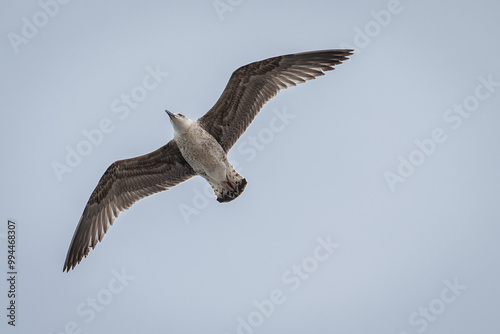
(372, 197)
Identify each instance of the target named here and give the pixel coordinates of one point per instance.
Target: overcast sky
(372, 197)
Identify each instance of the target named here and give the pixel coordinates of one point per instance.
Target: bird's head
(180, 122)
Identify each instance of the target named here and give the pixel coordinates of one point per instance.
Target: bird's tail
(231, 188)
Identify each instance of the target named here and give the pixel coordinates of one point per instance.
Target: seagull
(198, 148)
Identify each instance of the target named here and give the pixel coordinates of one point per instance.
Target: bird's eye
(181, 115)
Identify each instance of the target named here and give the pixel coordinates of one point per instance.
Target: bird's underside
(127, 181)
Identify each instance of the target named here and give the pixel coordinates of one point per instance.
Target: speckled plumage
(201, 150)
(207, 158)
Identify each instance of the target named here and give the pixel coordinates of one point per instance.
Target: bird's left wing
(124, 183)
(252, 85)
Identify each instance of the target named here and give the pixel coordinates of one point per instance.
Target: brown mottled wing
(252, 85)
(124, 183)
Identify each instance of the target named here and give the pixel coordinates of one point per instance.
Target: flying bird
(198, 148)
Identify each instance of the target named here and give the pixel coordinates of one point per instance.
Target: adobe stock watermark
(425, 315)
(92, 306)
(380, 20)
(292, 278)
(120, 109)
(30, 27)
(224, 6)
(248, 149)
(453, 117)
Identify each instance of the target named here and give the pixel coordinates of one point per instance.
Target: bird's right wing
(252, 85)
(124, 183)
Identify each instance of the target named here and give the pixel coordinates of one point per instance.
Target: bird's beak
(171, 115)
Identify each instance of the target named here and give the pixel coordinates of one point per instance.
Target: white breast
(202, 152)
